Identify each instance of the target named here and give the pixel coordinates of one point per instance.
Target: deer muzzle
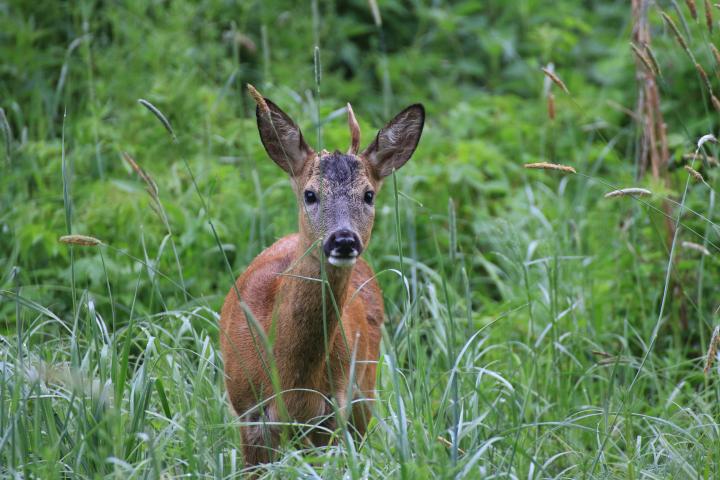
(342, 248)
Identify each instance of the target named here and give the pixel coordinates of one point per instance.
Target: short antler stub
(354, 131)
(258, 99)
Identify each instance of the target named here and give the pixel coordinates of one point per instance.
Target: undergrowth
(535, 328)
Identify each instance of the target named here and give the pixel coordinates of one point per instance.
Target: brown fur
(312, 345)
(246, 380)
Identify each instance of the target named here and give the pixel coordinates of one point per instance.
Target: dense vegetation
(535, 329)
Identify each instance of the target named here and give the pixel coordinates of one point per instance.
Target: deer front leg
(361, 414)
(261, 436)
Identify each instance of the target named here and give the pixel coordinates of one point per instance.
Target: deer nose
(342, 243)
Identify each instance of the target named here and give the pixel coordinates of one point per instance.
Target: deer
(310, 298)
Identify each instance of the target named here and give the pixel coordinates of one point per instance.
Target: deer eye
(369, 197)
(310, 197)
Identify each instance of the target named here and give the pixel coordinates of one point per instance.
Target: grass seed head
(715, 102)
(706, 138)
(712, 350)
(694, 173)
(83, 240)
(550, 166)
(692, 7)
(708, 16)
(678, 36)
(159, 115)
(704, 77)
(627, 192)
(696, 247)
(643, 58)
(715, 53)
(653, 59)
(556, 80)
(149, 182)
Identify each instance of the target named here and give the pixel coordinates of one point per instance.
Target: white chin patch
(342, 261)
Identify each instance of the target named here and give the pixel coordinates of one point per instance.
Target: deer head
(336, 191)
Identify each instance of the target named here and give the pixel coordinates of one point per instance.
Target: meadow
(534, 327)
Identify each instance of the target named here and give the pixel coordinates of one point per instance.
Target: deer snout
(342, 248)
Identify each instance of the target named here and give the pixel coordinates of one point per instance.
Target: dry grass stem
(551, 106)
(550, 166)
(555, 79)
(375, 13)
(448, 444)
(625, 110)
(694, 173)
(6, 132)
(712, 350)
(84, 240)
(653, 151)
(712, 161)
(695, 246)
(159, 115)
(626, 192)
(240, 39)
(259, 99)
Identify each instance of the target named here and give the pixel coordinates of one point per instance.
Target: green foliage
(532, 336)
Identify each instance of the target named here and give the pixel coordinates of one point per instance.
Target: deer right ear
(396, 141)
(281, 137)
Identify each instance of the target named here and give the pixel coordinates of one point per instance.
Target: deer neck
(307, 316)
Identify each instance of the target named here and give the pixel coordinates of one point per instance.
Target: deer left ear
(396, 141)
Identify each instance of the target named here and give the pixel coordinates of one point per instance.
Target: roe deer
(323, 341)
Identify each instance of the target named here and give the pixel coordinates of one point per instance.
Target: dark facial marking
(339, 168)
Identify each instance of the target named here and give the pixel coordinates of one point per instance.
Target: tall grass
(535, 329)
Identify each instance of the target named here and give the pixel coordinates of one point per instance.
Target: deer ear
(282, 138)
(396, 141)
